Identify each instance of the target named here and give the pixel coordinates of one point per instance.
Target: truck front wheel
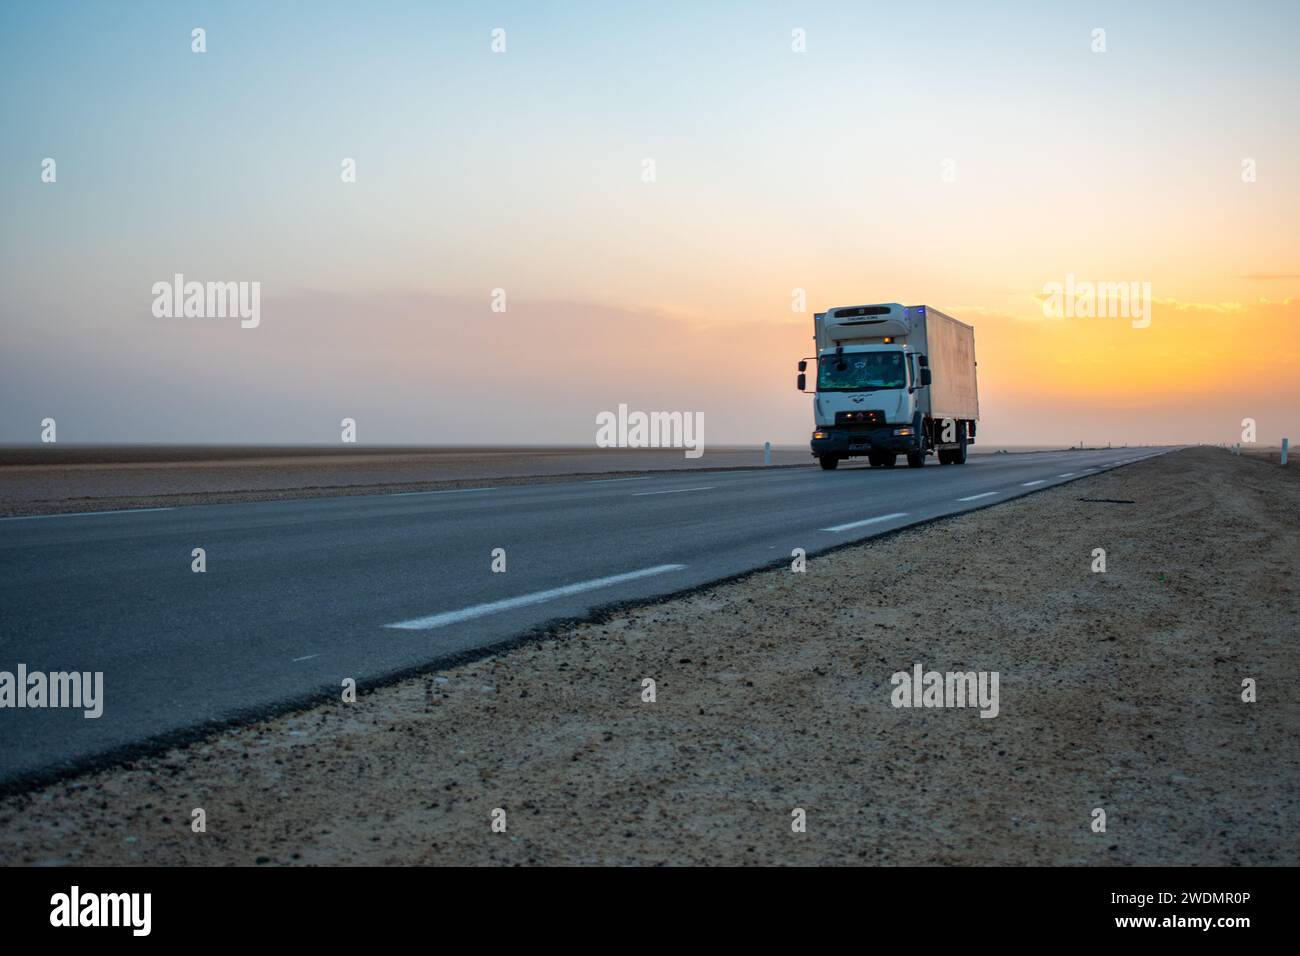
(828, 462)
(915, 459)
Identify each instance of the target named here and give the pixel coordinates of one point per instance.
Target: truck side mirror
(803, 365)
(925, 377)
(802, 381)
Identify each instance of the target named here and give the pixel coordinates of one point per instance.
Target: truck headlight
(902, 431)
(820, 435)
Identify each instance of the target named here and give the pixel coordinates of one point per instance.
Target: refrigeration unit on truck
(892, 380)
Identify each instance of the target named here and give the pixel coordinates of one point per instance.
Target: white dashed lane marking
(671, 491)
(527, 600)
(866, 521)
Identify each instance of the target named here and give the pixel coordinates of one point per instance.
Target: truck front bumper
(842, 442)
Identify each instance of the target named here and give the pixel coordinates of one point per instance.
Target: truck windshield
(861, 371)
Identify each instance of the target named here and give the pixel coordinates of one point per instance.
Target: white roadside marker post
(767, 453)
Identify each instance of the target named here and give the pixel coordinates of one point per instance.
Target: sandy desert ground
(1118, 690)
(35, 480)
(53, 479)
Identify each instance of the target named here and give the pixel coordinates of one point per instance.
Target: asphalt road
(299, 595)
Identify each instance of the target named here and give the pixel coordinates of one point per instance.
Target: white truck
(892, 380)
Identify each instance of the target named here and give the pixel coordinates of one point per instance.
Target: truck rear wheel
(828, 462)
(958, 455)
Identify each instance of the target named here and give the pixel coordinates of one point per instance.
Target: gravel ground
(1118, 690)
(53, 479)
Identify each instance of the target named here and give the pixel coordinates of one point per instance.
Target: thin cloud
(983, 312)
(1216, 308)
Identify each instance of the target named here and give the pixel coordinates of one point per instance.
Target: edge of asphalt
(122, 755)
(191, 499)
(183, 499)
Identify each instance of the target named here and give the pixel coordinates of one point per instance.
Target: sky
(956, 155)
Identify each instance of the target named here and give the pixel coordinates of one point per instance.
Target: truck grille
(870, 417)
